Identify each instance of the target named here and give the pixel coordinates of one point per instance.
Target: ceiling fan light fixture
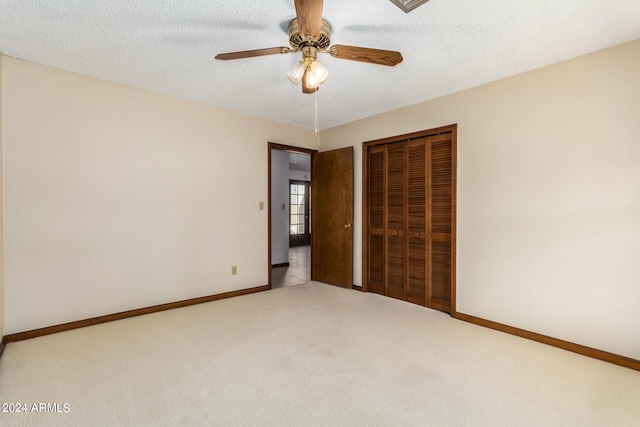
(309, 34)
(295, 73)
(312, 82)
(319, 73)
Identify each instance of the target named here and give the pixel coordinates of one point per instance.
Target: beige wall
(118, 198)
(1, 221)
(548, 196)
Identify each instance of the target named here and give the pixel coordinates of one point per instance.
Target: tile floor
(299, 270)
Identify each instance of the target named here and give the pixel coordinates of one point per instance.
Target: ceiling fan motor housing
(299, 41)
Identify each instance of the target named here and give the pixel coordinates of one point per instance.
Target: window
(298, 207)
(299, 213)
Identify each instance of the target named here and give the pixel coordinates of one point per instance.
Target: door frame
(365, 207)
(290, 149)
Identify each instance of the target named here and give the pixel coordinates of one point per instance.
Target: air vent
(408, 5)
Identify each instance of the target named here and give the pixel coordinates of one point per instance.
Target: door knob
(347, 226)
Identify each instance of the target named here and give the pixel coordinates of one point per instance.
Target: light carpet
(309, 355)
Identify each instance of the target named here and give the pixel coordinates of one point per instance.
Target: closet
(409, 217)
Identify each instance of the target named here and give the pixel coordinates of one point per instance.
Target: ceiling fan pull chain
(316, 126)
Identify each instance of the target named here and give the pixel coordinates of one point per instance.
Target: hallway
(298, 271)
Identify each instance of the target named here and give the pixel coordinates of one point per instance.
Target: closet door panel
(395, 268)
(376, 202)
(441, 220)
(395, 187)
(376, 264)
(396, 214)
(416, 221)
(441, 273)
(416, 283)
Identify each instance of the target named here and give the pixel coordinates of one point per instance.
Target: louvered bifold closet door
(416, 221)
(441, 181)
(376, 220)
(396, 214)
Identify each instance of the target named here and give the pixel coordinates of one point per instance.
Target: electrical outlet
(284, 206)
(261, 206)
(234, 270)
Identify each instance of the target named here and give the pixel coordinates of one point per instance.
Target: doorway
(331, 215)
(290, 215)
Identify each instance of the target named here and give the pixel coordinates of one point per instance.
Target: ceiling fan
(310, 34)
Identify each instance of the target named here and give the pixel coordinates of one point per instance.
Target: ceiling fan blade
(365, 54)
(309, 14)
(252, 53)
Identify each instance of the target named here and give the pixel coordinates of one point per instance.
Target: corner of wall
(1, 219)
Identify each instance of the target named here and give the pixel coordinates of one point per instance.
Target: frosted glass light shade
(319, 72)
(295, 73)
(312, 82)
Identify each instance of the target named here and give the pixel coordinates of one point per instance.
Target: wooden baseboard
(282, 264)
(126, 314)
(555, 342)
(3, 342)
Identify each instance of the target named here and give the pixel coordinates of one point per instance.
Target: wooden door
(332, 217)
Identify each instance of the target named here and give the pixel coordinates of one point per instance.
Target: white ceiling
(168, 46)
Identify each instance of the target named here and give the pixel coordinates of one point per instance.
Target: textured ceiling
(168, 46)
